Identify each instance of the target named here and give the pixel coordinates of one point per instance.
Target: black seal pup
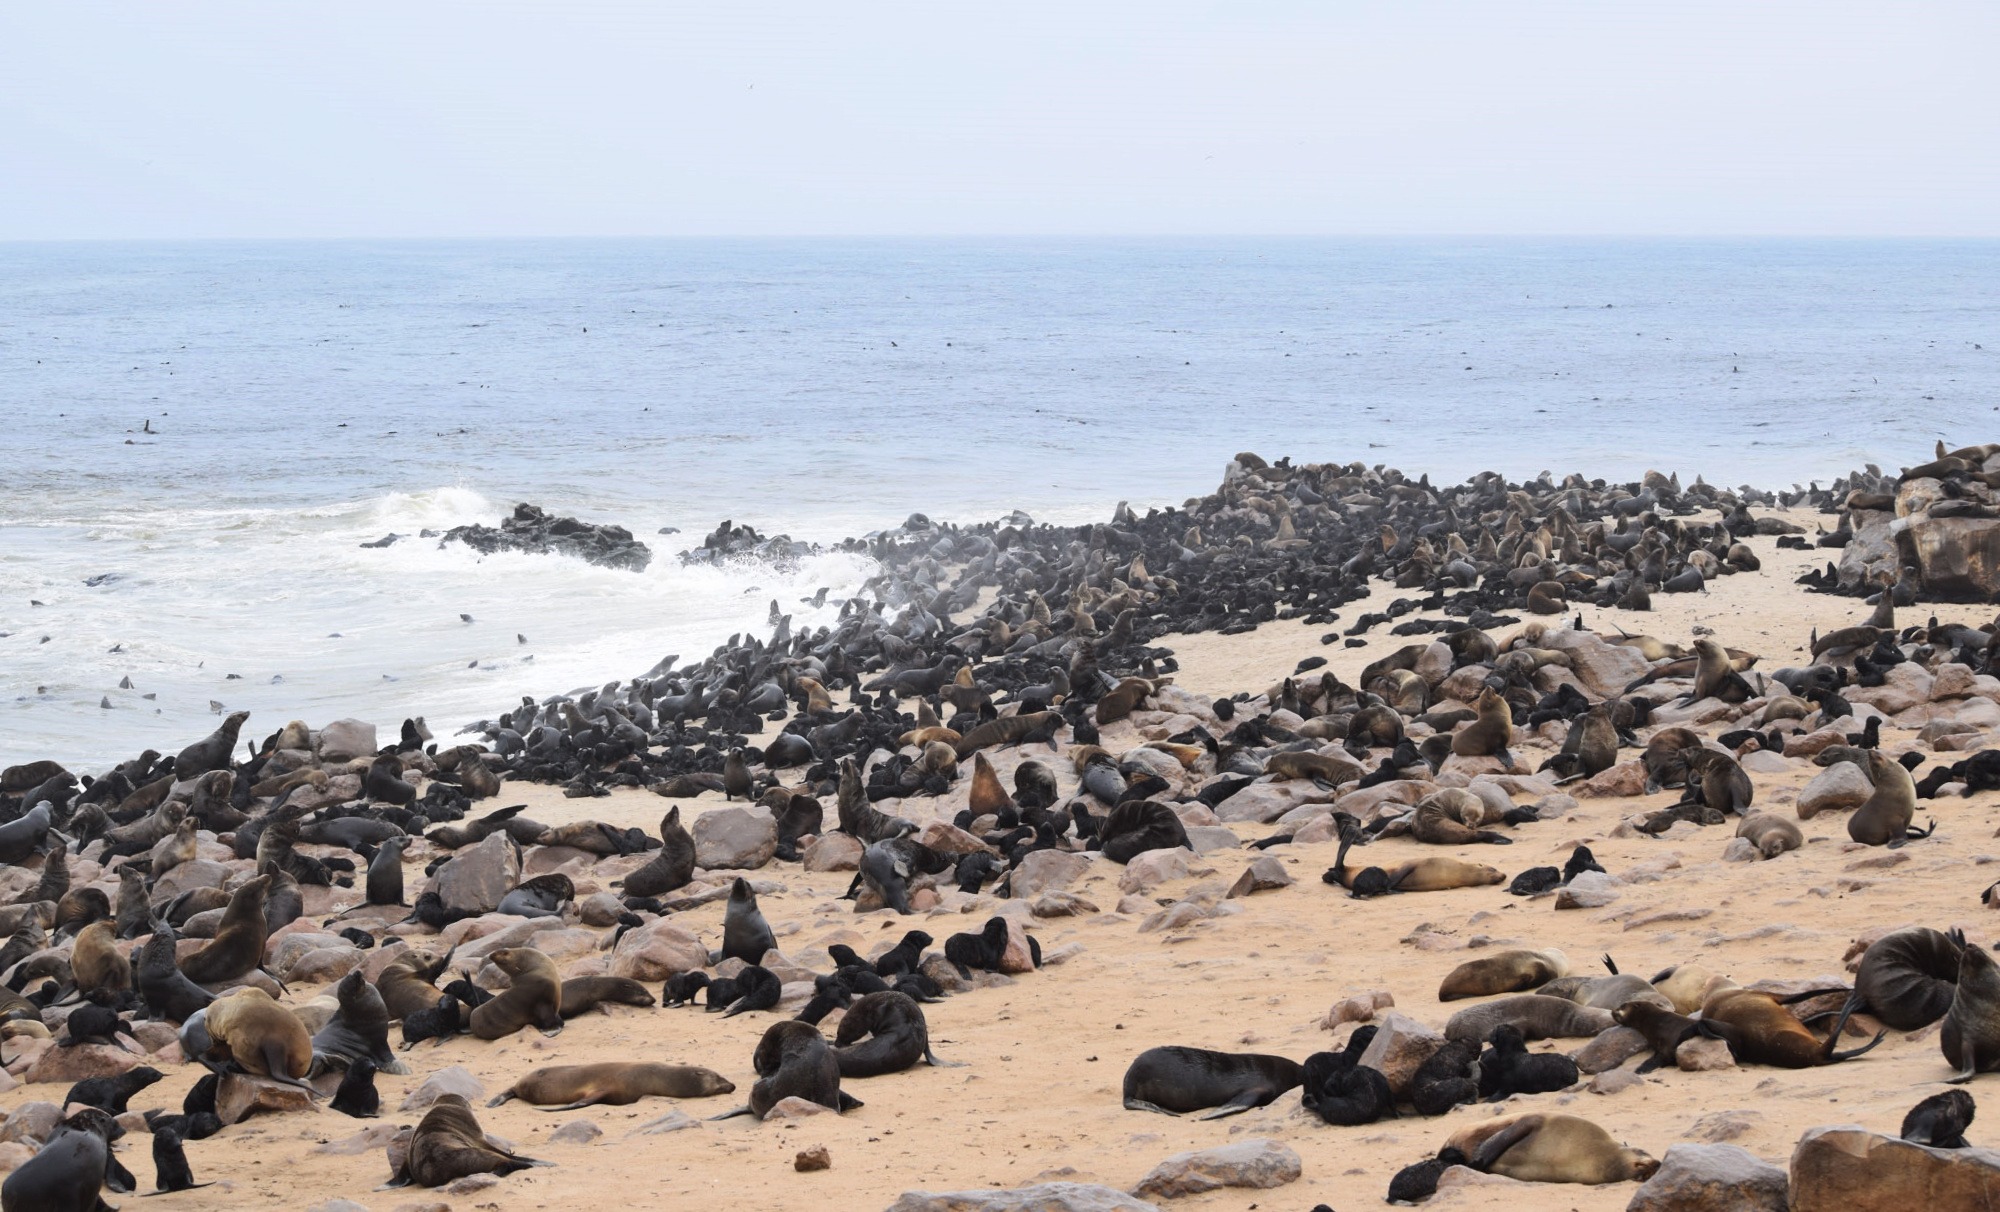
(1940, 1121)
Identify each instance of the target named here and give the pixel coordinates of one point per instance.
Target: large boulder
(1154, 867)
(455, 1079)
(734, 839)
(69, 1065)
(476, 879)
(1042, 1197)
(836, 852)
(238, 1096)
(658, 950)
(1957, 558)
(1266, 802)
(1711, 1178)
(1850, 1169)
(1839, 787)
(1605, 669)
(1047, 871)
(1401, 1045)
(1258, 1163)
(344, 740)
(1872, 551)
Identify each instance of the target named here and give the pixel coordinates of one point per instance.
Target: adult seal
(167, 990)
(238, 946)
(257, 1035)
(408, 983)
(794, 1061)
(449, 1144)
(1884, 820)
(69, 1172)
(882, 1033)
(533, 999)
(1507, 972)
(1551, 1149)
(1175, 1080)
(1536, 1017)
(359, 1029)
(1970, 1036)
(745, 933)
(670, 869)
(1908, 978)
(582, 994)
(614, 1084)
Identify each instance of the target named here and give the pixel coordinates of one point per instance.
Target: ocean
(199, 437)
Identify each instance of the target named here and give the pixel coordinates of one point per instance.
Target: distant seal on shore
(1173, 1080)
(672, 868)
(1538, 1148)
(882, 1033)
(1505, 972)
(613, 1083)
(1536, 1016)
(534, 998)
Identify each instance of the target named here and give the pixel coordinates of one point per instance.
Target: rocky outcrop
(531, 530)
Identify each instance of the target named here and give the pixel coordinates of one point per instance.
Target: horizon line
(940, 237)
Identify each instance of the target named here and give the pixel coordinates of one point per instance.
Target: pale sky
(588, 117)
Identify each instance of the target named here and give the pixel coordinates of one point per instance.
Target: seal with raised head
(1490, 734)
(385, 871)
(1504, 972)
(745, 933)
(1173, 1080)
(1970, 1036)
(1884, 820)
(449, 1144)
(533, 999)
(408, 982)
(167, 990)
(613, 1083)
(882, 1033)
(212, 751)
(359, 1029)
(1540, 1148)
(238, 946)
(670, 869)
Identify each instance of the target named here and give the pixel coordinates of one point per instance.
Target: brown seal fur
(1505, 972)
(1538, 1017)
(1316, 766)
(585, 993)
(1770, 833)
(987, 794)
(238, 946)
(612, 1083)
(1491, 734)
(1760, 1031)
(1885, 817)
(262, 1037)
(1970, 1036)
(408, 983)
(535, 997)
(449, 1145)
(95, 962)
(1539, 1148)
(1451, 818)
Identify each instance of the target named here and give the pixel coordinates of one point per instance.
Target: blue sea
(305, 398)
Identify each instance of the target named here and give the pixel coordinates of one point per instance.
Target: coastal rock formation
(531, 530)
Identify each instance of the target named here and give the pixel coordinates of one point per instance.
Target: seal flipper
(1833, 1057)
(503, 1097)
(848, 1102)
(1968, 1059)
(116, 1176)
(930, 1058)
(742, 1110)
(1140, 1104)
(1236, 1106)
(1495, 1147)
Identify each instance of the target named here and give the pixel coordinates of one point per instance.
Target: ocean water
(304, 398)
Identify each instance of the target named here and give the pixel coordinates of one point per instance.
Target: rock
(1151, 868)
(1357, 1009)
(1952, 680)
(1851, 1169)
(600, 909)
(1904, 685)
(185, 877)
(1017, 958)
(1740, 850)
(1623, 780)
(476, 879)
(1957, 558)
(1589, 890)
(471, 1184)
(795, 1107)
(239, 1096)
(31, 1123)
(374, 1136)
(1061, 904)
(1711, 1178)
(1041, 1197)
(1718, 1127)
(1265, 873)
(576, 1132)
(836, 852)
(1701, 1054)
(658, 950)
(1263, 803)
(1401, 1044)
(1604, 668)
(1763, 761)
(811, 1160)
(531, 530)
(83, 1061)
(734, 839)
(1207, 839)
(455, 1079)
(1614, 1081)
(1258, 1162)
(672, 1121)
(344, 740)
(1609, 1050)
(1840, 786)
(947, 838)
(1872, 551)
(1047, 871)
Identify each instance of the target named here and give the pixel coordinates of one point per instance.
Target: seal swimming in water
(745, 933)
(882, 1033)
(613, 1084)
(534, 997)
(1173, 1080)
(1539, 1148)
(449, 1144)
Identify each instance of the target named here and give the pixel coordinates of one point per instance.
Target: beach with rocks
(1270, 772)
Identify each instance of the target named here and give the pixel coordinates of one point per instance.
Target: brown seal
(1491, 734)
(584, 993)
(449, 1144)
(1317, 767)
(613, 1083)
(1760, 1031)
(672, 868)
(534, 998)
(408, 983)
(1551, 1149)
(1505, 972)
(1452, 817)
(1664, 758)
(96, 963)
(987, 794)
(1885, 818)
(1970, 1036)
(1536, 1016)
(1770, 833)
(238, 946)
(260, 1036)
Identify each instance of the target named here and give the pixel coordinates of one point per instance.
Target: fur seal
(672, 868)
(745, 933)
(258, 1036)
(1940, 1121)
(449, 1144)
(1665, 1030)
(385, 871)
(1507, 1068)
(408, 982)
(1504, 972)
(96, 964)
(1447, 1078)
(1605, 992)
(1175, 1080)
(1136, 826)
(613, 1084)
(882, 1033)
(69, 1172)
(356, 1096)
(166, 989)
(585, 993)
(171, 1171)
(359, 1029)
(534, 997)
(1491, 734)
(793, 1060)
(238, 946)
(1452, 817)
(1885, 818)
(1908, 978)
(212, 751)
(1665, 757)
(1760, 1031)
(887, 867)
(112, 1093)
(1540, 1148)
(1770, 833)
(1970, 1036)
(540, 896)
(1536, 1016)
(987, 795)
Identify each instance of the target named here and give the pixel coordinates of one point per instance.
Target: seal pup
(1447, 1078)
(171, 1171)
(672, 868)
(983, 950)
(534, 998)
(1770, 833)
(1173, 1080)
(887, 867)
(1507, 1068)
(1940, 1121)
(613, 1084)
(1539, 1148)
(1970, 1036)
(357, 1095)
(793, 1060)
(1413, 1184)
(448, 1144)
(883, 1033)
(745, 933)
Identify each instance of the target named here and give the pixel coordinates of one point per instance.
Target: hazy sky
(575, 117)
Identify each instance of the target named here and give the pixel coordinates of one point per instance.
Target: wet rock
(478, 877)
(1763, 761)
(1047, 871)
(1711, 1178)
(531, 530)
(600, 909)
(734, 839)
(1957, 557)
(947, 838)
(1844, 1168)
(1605, 669)
(1258, 1163)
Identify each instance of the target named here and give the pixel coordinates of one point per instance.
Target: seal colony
(1024, 737)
